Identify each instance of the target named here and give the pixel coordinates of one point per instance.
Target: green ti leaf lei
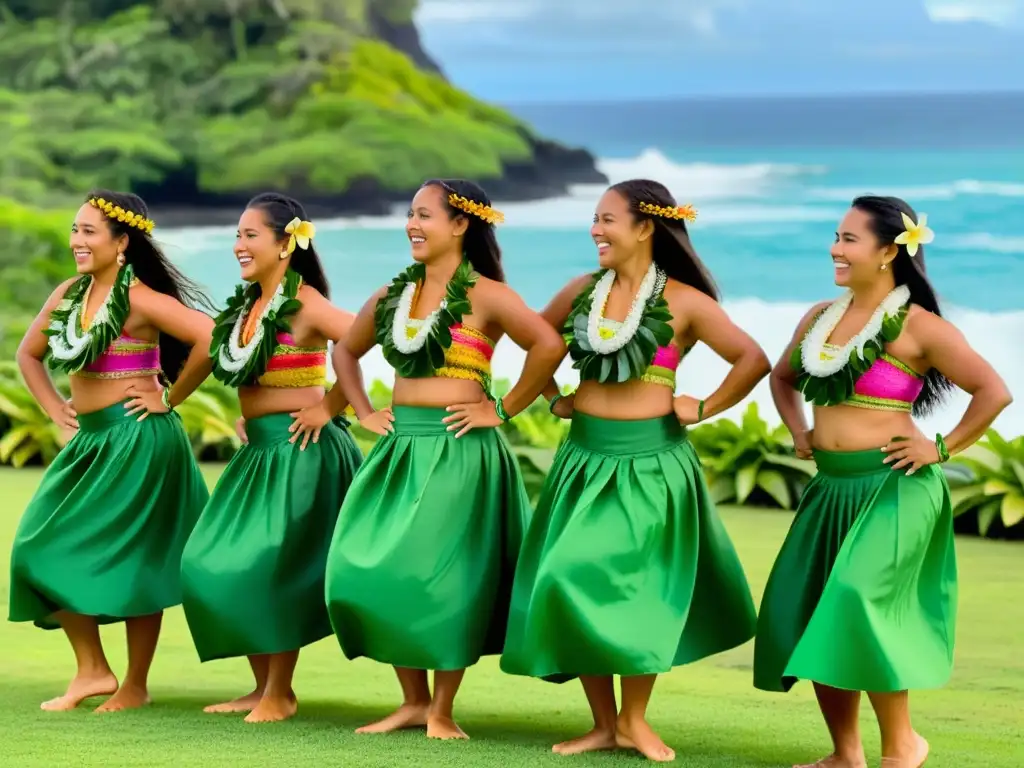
(631, 361)
(824, 391)
(69, 349)
(431, 356)
(236, 364)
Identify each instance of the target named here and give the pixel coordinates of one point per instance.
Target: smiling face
(616, 232)
(857, 256)
(93, 243)
(430, 230)
(257, 246)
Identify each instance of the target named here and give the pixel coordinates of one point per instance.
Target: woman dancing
(626, 569)
(862, 596)
(421, 565)
(101, 540)
(253, 569)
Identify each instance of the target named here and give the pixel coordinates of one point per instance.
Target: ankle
(630, 717)
(93, 671)
(442, 710)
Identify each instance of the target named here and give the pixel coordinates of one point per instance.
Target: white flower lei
(70, 339)
(401, 322)
(811, 350)
(653, 282)
(234, 355)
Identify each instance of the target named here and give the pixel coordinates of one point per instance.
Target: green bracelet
(700, 411)
(940, 445)
(555, 399)
(499, 408)
(165, 398)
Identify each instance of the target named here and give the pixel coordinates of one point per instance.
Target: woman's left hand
(914, 452)
(145, 403)
(467, 416)
(308, 423)
(687, 409)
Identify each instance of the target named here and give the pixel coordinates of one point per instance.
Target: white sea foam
(984, 241)
(922, 193)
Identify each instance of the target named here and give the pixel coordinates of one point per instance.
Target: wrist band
(555, 399)
(499, 408)
(940, 445)
(700, 411)
(165, 398)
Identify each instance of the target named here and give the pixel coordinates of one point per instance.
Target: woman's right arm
(361, 339)
(782, 381)
(556, 313)
(30, 356)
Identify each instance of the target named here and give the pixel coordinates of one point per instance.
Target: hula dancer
(101, 540)
(626, 569)
(253, 570)
(862, 596)
(421, 564)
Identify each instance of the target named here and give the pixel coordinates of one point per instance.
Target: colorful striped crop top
(888, 385)
(292, 366)
(468, 357)
(662, 369)
(125, 358)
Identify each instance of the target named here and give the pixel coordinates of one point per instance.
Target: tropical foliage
(750, 462)
(987, 484)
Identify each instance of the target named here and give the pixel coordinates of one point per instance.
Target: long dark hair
(278, 210)
(480, 243)
(886, 223)
(672, 249)
(154, 270)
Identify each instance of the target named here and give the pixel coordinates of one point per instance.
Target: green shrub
(987, 486)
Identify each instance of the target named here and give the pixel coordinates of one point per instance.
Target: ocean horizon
(770, 179)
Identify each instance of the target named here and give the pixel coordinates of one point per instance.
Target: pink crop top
(125, 358)
(662, 369)
(888, 385)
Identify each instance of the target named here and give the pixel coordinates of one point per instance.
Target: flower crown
(117, 212)
(915, 234)
(685, 212)
(481, 211)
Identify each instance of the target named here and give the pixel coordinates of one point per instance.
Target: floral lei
(827, 379)
(424, 353)
(626, 353)
(69, 348)
(236, 364)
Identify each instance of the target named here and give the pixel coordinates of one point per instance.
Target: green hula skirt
(863, 594)
(253, 569)
(420, 569)
(104, 532)
(626, 568)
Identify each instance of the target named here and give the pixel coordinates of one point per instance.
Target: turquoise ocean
(771, 179)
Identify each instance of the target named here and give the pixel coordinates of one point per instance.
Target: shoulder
(307, 294)
(63, 288)
(682, 297)
(922, 323)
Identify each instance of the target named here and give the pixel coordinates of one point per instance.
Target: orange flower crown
(481, 211)
(685, 212)
(117, 212)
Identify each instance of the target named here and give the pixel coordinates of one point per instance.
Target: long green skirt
(421, 565)
(626, 568)
(863, 593)
(253, 569)
(104, 532)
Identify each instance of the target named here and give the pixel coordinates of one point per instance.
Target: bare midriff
(851, 428)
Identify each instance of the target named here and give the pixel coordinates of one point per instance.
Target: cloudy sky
(558, 50)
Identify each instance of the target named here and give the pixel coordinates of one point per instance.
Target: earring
(120, 259)
(283, 255)
(885, 267)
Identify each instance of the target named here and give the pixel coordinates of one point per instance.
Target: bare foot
(834, 761)
(406, 716)
(639, 735)
(596, 740)
(440, 727)
(245, 703)
(919, 757)
(127, 697)
(82, 688)
(273, 709)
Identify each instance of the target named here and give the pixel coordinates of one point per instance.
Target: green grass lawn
(708, 712)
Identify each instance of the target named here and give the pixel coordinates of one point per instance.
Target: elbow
(780, 377)
(551, 348)
(1004, 398)
(25, 358)
(757, 361)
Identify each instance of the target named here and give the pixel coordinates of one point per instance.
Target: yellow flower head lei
(916, 234)
(301, 232)
(481, 211)
(120, 214)
(683, 212)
